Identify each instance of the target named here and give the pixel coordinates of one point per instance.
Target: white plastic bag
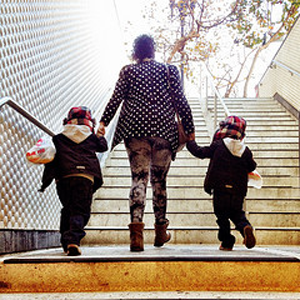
(42, 152)
(255, 179)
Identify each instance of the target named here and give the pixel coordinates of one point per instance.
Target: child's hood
(236, 147)
(76, 133)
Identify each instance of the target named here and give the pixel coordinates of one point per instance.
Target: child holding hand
(227, 179)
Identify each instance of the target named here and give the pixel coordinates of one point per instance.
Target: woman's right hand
(101, 129)
(192, 136)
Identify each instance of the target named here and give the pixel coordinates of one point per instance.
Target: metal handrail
(275, 63)
(293, 72)
(109, 135)
(216, 94)
(9, 101)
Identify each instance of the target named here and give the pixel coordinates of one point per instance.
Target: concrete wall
(53, 55)
(283, 79)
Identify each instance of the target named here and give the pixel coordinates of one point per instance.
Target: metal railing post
(206, 92)
(215, 111)
(217, 99)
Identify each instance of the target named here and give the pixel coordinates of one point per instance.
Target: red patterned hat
(233, 127)
(80, 115)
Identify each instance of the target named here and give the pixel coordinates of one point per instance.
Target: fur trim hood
(236, 147)
(77, 133)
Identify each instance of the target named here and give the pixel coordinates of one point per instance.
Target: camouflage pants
(148, 154)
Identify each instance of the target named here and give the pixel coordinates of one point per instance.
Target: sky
(132, 10)
(132, 23)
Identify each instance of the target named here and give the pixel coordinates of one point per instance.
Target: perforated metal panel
(53, 55)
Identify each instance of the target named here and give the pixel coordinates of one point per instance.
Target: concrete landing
(172, 268)
(115, 253)
(155, 295)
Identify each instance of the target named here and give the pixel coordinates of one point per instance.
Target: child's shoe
(73, 250)
(249, 238)
(224, 248)
(228, 244)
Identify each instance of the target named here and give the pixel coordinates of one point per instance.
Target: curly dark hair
(143, 47)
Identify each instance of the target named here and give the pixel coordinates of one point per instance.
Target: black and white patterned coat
(147, 108)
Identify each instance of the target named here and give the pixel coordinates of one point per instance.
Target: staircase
(271, 134)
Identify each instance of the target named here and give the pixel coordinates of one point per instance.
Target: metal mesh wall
(53, 55)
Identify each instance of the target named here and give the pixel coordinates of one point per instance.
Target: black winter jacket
(225, 171)
(74, 158)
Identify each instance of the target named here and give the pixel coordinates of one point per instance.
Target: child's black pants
(229, 206)
(75, 194)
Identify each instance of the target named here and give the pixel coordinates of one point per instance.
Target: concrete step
(272, 139)
(287, 219)
(191, 235)
(246, 102)
(197, 219)
(197, 192)
(182, 267)
(267, 122)
(276, 204)
(201, 170)
(266, 133)
(275, 153)
(268, 153)
(194, 162)
(247, 114)
(253, 145)
(191, 205)
(261, 119)
(271, 127)
(198, 181)
(251, 107)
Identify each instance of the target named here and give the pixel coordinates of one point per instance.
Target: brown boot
(136, 236)
(161, 234)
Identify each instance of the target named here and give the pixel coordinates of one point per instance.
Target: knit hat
(80, 115)
(233, 127)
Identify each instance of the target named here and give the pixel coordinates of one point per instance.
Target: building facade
(282, 78)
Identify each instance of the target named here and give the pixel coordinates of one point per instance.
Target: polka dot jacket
(148, 109)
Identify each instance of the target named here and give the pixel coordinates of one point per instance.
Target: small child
(77, 173)
(227, 178)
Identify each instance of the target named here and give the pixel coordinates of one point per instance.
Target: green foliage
(259, 20)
